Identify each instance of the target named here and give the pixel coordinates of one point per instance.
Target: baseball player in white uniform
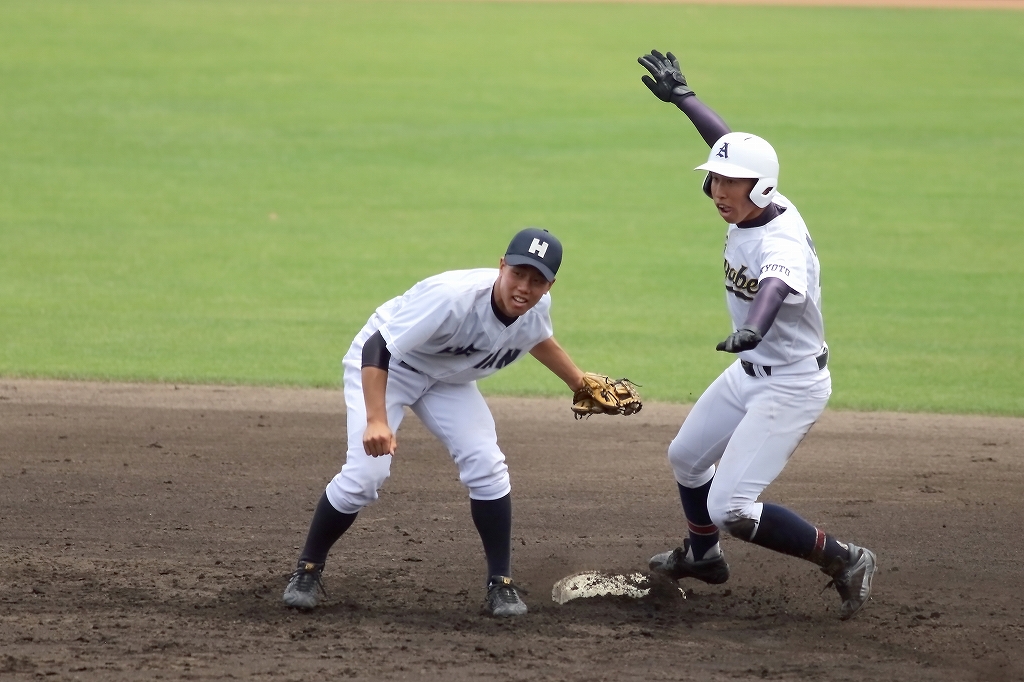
(425, 350)
(746, 425)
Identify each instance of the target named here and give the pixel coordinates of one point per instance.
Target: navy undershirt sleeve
(771, 292)
(709, 124)
(376, 353)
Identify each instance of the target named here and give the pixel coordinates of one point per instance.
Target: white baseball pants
(750, 426)
(456, 413)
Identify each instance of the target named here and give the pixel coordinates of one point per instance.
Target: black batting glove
(744, 338)
(668, 81)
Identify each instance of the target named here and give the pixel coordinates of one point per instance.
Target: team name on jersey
(460, 350)
(499, 358)
(740, 282)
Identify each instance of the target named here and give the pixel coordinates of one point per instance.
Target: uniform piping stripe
(696, 529)
(818, 553)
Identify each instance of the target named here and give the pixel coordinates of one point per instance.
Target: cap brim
(525, 260)
(727, 169)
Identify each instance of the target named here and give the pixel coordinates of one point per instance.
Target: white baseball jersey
(783, 249)
(445, 328)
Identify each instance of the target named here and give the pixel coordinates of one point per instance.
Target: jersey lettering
(772, 267)
(538, 247)
(740, 283)
(723, 151)
(492, 359)
(509, 357)
(460, 350)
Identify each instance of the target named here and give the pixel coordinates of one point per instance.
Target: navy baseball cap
(536, 247)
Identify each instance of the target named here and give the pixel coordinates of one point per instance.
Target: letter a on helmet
(742, 155)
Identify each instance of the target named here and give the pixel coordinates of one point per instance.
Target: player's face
(732, 198)
(519, 288)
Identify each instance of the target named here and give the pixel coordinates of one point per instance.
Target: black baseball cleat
(503, 598)
(853, 580)
(304, 586)
(676, 564)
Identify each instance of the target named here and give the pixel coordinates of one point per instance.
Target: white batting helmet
(742, 155)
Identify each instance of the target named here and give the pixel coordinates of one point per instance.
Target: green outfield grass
(223, 191)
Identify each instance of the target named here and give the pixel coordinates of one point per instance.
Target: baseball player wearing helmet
(751, 419)
(425, 350)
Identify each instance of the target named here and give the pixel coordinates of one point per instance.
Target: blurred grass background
(223, 191)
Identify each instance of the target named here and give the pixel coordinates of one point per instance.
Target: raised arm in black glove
(668, 82)
(669, 85)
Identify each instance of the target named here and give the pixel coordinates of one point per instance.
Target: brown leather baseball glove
(601, 394)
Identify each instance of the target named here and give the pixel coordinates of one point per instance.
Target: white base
(597, 584)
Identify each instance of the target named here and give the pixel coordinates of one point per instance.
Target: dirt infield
(147, 532)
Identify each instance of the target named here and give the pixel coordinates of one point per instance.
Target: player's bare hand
(744, 338)
(668, 81)
(378, 439)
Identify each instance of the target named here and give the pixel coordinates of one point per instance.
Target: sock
(783, 531)
(704, 535)
(327, 526)
(493, 520)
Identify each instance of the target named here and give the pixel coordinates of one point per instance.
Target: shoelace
(309, 580)
(507, 595)
(841, 584)
(507, 592)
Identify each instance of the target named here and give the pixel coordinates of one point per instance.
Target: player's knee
(741, 528)
(736, 519)
(349, 501)
(485, 477)
(349, 494)
(492, 490)
(734, 523)
(686, 465)
(487, 487)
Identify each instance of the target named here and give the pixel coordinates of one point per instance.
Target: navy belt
(748, 367)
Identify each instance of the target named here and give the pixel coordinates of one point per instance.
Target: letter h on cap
(538, 247)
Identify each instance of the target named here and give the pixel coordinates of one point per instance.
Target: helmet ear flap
(764, 191)
(707, 185)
